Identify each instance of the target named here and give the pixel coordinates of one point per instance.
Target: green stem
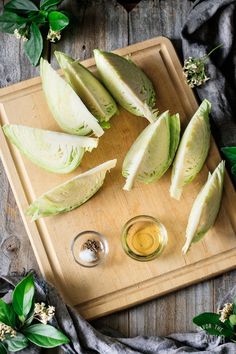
(206, 56)
(220, 45)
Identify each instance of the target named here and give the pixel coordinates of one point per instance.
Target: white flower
(6, 330)
(20, 35)
(226, 312)
(17, 34)
(194, 71)
(43, 313)
(53, 36)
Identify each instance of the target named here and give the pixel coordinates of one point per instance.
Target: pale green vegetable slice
(152, 153)
(205, 207)
(94, 95)
(65, 105)
(71, 194)
(193, 150)
(127, 83)
(53, 151)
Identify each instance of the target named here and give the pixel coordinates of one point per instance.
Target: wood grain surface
(110, 28)
(123, 282)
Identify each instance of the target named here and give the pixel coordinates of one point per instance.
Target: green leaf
(21, 5)
(232, 320)
(58, 21)
(48, 4)
(9, 21)
(7, 314)
(34, 46)
(230, 153)
(211, 323)
(17, 343)
(45, 336)
(39, 17)
(3, 350)
(22, 298)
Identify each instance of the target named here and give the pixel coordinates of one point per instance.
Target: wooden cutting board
(121, 281)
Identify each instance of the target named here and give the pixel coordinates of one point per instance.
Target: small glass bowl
(133, 224)
(81, 257)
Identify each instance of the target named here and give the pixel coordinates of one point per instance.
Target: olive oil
(144, 238)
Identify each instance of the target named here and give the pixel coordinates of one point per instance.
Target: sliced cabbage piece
(193, 150)
(127, 83)
(71, 194)
(152, 153)
(94, 95)
(205, 207)
(65, 105)
(53, 151)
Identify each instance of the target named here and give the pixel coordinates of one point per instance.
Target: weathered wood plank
(158, 18)
(97, 24)
(222, 285)
(15, 248)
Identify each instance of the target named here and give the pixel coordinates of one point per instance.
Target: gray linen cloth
(84, 339)
(213, 22)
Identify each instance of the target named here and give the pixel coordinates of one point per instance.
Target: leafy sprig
(194, 69)
(26, 21)
(221, 324)
(230, 154)
(24, 321)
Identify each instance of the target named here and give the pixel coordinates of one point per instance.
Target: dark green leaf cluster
(212, 323)
(19, 315)
(230, 154)
(24, 19)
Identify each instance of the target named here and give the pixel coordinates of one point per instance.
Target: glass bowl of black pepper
(89, 248)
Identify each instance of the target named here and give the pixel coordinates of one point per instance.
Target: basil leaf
(17, 343)
(48, 4)
(21, 5)
(211, 323)
(57, 21)
(7, 314)
(9, 21)
(23, 295)
(230, 153)
(3, 350)
(34, 46)
(45, 336)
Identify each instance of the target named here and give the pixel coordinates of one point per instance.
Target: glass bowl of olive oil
(144, 238)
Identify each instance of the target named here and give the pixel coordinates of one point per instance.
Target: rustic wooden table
(105, 24)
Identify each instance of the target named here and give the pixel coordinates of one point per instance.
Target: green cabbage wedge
(205, 207)
(193, 150)
(55, 152)
(65, 105)
(152, 153)
(94, 95)
(127, 83)
(71, 194)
